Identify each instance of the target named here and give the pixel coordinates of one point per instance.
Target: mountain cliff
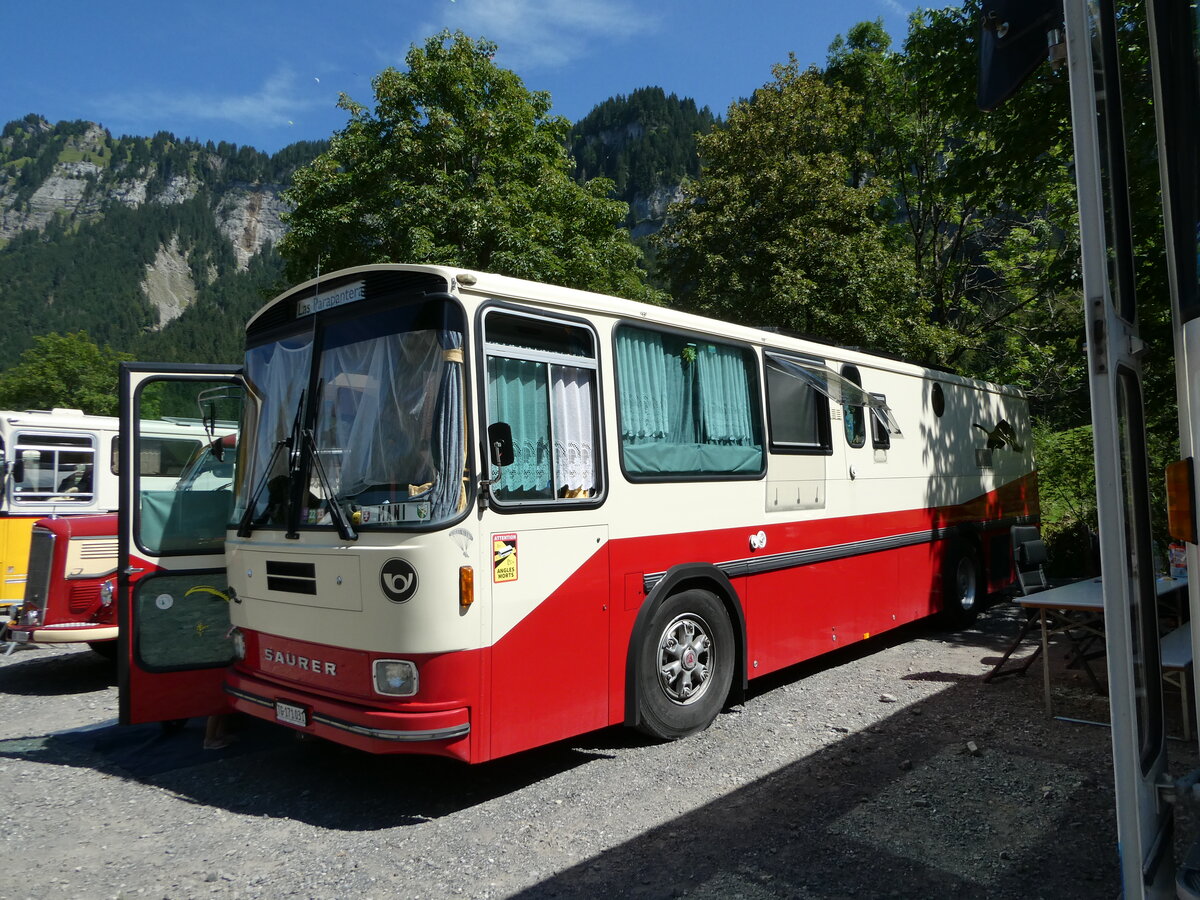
(146, 243)
(163, 247)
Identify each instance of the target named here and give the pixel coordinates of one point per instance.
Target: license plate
(291, 714)
(21, 637)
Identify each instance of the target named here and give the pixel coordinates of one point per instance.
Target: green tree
(986, 199)
(777, 232)
(458, 164)
(67, 370)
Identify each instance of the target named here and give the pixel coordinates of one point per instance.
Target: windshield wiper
(345, 530)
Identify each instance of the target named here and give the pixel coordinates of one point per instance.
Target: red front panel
(334, 687)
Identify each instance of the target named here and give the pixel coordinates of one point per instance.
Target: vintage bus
(474, 514)
(72, 569)
(60, 462)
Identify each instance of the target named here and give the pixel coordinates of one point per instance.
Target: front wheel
(685, 666)
(962, 586)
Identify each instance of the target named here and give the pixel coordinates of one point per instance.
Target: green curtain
(686, 406)
(518, 394)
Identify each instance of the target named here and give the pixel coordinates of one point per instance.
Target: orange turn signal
(466, 586)
(1181, 492)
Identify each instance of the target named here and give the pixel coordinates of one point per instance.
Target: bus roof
(468, 282)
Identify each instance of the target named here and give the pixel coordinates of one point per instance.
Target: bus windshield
(380, 434)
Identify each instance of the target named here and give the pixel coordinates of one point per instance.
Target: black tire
(107, 649)
(962, 585)
(685, 665)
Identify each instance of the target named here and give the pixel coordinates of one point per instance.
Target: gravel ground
(885, 770)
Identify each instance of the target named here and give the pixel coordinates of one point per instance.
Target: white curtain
(374, 422)
(278, 374)
(574, 435)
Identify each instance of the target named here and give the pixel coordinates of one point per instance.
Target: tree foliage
(458, 164)
(777, 232)
(67, 370)
(986, 199)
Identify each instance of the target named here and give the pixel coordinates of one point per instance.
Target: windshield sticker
(392, 513)
(504, 558)
(351, 293)
(462, 539)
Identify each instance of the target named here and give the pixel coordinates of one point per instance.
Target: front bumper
(65, 633)
(441, 732)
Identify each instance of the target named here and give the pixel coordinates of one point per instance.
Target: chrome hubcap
(966, 583)
(685, 659)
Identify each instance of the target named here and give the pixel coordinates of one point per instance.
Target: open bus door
(1145, 820)
(173, 611)
(1014, 39)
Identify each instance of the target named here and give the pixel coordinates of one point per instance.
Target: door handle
(133, 570)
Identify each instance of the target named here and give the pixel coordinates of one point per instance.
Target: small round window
(939, 400)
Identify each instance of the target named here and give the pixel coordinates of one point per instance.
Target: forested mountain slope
(158, 246)
(163, 247)
(646, 143)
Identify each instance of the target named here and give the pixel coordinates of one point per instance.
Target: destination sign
(350, 293)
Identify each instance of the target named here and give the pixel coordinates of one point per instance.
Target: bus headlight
(239, 643)
(395, 677)
(107, 589)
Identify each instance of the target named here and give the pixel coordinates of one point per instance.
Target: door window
(541, 384)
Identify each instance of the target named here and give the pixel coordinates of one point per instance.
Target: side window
(54, 467)
(854, 419)
(688, 406)
(161, 460)
(881, 438)
(798, 414)
(541, 378)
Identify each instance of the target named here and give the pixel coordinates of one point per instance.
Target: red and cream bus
(61, 462)
(474, 514)
(72, 569)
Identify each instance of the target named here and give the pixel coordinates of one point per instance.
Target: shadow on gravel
(973, 793)
(904, 808)
(268, 771)
(38, 675)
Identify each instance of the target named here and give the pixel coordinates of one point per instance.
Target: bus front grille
(41, 558)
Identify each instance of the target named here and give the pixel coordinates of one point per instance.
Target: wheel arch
(959, 542)
(684, 577)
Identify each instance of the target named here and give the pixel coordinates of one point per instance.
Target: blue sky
(266, 74)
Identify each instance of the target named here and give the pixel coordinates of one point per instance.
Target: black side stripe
(759, 565)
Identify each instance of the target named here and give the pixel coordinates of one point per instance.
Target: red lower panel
(175, 695)
(549, 675)
(357, 725)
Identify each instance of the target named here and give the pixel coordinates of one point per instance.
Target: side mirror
(18, 469)
(500, 446)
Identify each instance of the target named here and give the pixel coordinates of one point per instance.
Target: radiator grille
(84, 597)
(41, 558)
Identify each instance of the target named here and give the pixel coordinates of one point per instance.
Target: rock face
(168, 283)
(74, 173)
(250, 217)
(650, 211)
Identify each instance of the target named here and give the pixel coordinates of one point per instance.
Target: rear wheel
(962, 585)
(686, 665)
